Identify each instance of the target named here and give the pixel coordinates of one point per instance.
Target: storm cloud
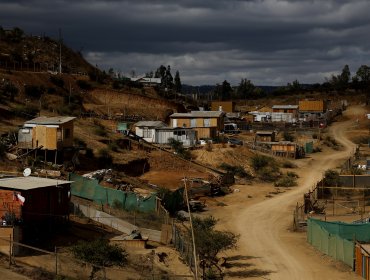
(270, 42)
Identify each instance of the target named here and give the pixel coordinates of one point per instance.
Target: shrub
(57, 81)
(260, 161)
(288, 164)
(331, 178)
(113, 146)
(179, 149)
(286, 181)
(83, 84)
(316, 150)
(268, 173)
(288, 136)
(100, 130)
(236, 170)
(34, 91)
(89, 153)
(105, 157)
(27, 111)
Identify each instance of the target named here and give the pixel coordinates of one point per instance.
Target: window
(147, 133)
(207, 122)
(193, 122)
(174, 123)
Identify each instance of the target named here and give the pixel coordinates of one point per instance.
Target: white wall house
(146, 129)
(186, 136)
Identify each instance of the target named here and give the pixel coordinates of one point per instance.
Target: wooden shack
(318, 106)
(48, 133)
(284, 149)
(362, 260)
(265, 136)
(34, 204)
(207, 124)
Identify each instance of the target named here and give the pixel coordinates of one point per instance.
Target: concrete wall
(118, 224)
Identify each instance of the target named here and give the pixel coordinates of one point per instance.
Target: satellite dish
(27, 172)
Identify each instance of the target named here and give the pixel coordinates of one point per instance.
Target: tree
(331, 178)
(245, 89)
(168, 79)
(99, 253)
(345, 76)
(210, 242)
(224, 91)
(161, 72)
(178, 85)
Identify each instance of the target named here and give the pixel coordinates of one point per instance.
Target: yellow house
(52, 133)
(208, 124)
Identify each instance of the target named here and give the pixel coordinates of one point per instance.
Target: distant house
(207, 124)
(225, 106)
(146, 129)
(265, 136)
(312, 109)
(50, 133)
(33, 204)
(285, 109)
(187, 136)
(147, 81)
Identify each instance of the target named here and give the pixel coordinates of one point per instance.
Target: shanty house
(146, 129)
(50, 133)
(187, 136)
(312, 109)
(34, 204)
(265, 136)
(207, 124)
(147, 81)
(285, 109)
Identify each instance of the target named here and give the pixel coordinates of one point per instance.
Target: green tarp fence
(336, 239)
(129, 201)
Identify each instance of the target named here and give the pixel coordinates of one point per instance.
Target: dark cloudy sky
(270, 42)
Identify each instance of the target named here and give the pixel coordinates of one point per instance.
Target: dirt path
(264, 228)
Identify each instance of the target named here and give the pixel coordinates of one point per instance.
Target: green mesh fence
(90, 189)
(336, 239)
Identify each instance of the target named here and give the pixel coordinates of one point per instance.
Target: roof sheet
(285, 107)
(29, 183)
(50, 120)
(150, 124)
(198, 114)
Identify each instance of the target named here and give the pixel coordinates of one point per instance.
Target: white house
(146, 129)
(147, 81)
(187, 136)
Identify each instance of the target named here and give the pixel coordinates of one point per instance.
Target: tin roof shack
(149, 82)
(146, 129)
(312, 109)
(52, 133)
(287, 149)
(207, 124)
(265, 136)
(187, 136)
(285, 109)
(225, 106)
(37, 205)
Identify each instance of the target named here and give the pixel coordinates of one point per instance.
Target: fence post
(56, 261)
(10, 250)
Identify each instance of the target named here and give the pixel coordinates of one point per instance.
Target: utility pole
(192, 230)
(60, 51)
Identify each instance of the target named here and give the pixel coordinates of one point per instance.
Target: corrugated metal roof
(50, 120)
(30, 183)
(150, 124)
(198, 114)
(285, 107)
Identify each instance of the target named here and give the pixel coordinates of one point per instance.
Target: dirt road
(264, 227)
